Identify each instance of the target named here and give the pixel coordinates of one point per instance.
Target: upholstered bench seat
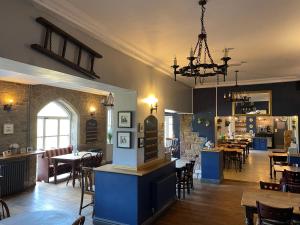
(46, 167)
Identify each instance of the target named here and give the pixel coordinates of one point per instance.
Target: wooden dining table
(271, 198)
(73, 159)
(49, 217)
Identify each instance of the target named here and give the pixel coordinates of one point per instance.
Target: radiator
(13, 172)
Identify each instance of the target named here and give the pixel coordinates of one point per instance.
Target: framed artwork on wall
(124, 139)
(125, 119)
(8, 128)
(140, 142)
(141, 128)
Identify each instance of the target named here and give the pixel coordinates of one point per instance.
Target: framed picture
(125, 119)
(124, 139)
(140, 142)
(8, 128)
(141, 127)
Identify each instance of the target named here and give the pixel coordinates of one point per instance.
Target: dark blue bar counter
(133, 197)
(212, 166)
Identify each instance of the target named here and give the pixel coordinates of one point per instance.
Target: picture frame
(8, 128)
(125, 119)
(29, 149)
(124, 139)
(141, 127)
(141, 142)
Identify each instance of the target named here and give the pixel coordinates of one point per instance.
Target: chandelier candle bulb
(175, 61)
(191, 53)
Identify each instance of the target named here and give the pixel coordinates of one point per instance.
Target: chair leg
(82, 194)
(69, 178)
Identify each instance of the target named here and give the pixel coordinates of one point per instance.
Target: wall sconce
(92, 111)
(8, 107)
(152, 102)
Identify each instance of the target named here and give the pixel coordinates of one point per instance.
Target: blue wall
(285, 102)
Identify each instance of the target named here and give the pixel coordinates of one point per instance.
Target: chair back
(270, 186)
(86, 160)
(268, 215)
(293, 188)
(290, 177)
(79, 221)
(87, 180)
(4, 212)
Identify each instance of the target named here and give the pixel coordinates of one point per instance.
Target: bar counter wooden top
(21, 155)
(141, 171)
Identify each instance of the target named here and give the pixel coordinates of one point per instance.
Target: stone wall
(19, 93)
(190, 142)
(79, 102)
(30, 99)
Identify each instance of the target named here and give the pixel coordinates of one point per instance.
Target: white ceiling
(264, 33)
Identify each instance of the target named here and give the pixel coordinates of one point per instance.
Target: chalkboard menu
(150, 138)
(91, 131)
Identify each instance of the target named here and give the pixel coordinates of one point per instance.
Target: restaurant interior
(109, 116)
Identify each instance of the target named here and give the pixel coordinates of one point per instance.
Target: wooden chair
(85, 158)
(4, 212)
(183, 180)
(294, 188)
(79, 221)
(268, 215)
(290, 177)
(191, 173)
(88, 163)
(270, 186)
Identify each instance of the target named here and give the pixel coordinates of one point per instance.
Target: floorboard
(207, 204)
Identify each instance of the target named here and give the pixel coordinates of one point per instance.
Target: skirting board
(211, 181)
(100, 221)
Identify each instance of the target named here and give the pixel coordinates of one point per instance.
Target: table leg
(244, 155)
(249, 216)
(271, 167)
(241, 163)
(73, 173)
(55, 163)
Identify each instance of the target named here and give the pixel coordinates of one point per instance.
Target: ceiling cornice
(75, 17)
(80, 20)
(251, 82)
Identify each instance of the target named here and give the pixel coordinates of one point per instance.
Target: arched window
(53, 126)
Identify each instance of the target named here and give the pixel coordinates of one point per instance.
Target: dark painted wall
(285, 102)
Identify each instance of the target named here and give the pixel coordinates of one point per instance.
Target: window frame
(58, 118)
(168, 123)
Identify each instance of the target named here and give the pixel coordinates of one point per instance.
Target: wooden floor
(255, 169)
(208, 204)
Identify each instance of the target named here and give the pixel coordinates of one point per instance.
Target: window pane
(51, 128)
(50, 142)
(64, 141)
(39, 143)
(53, 109)
(64, 127)
(40, 126)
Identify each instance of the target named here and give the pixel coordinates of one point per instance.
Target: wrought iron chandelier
(201, 63)
(236, 94)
